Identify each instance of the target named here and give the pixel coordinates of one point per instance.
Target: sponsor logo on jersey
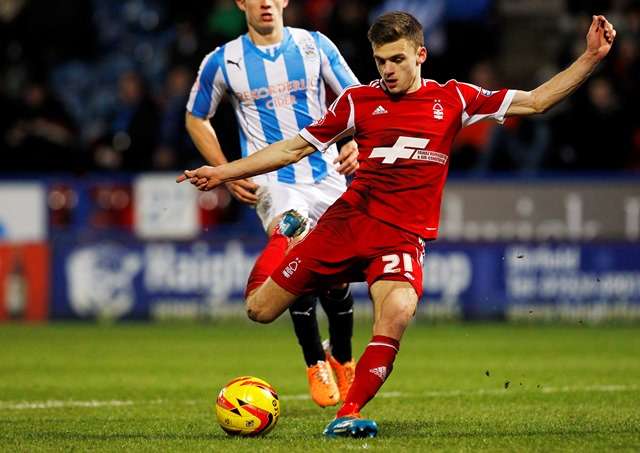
(380, 110)
(282, 94)
(487, 92)
(438, 110)
(408, 148)
(291, 268)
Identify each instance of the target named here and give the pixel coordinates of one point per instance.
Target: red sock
(373, 368)
(270, 257)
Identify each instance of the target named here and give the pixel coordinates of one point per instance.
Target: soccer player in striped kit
(275, 77)
(404, 126)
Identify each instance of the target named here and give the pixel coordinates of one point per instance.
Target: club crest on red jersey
(291, 268)
(438, 110)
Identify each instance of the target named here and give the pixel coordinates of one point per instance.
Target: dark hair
(396, 25)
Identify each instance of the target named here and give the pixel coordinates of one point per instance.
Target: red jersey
(404, 145)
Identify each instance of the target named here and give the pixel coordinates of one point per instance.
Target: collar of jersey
(286, 37)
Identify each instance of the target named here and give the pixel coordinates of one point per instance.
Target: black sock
(338, 304)
(305, 324)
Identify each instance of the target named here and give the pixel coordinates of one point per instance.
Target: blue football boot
(292, 224)
(354, 427)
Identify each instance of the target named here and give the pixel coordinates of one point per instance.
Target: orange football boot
(322, 384)
(345, 372)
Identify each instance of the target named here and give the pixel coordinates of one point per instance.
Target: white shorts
(310, 200)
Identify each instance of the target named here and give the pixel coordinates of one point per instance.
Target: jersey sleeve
(209, 87)
(333, 67)
(480, 104)
(337, 122)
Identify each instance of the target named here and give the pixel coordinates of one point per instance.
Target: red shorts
(349, 246)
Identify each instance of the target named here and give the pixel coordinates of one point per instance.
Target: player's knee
(406, 312)
(258, 312)
(399, 319)
(257, 315)
(400, 323)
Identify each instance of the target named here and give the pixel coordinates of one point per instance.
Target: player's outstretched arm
(273, 157)
(599, 41)
(206, 140)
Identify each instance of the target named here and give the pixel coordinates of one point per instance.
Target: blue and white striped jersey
(274, 94)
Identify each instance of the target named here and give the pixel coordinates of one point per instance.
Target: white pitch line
(501, 391)
(56, 404)
(591, 388)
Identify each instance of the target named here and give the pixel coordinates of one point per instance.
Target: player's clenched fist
(204, 178)
(347, 160)
(600, 37)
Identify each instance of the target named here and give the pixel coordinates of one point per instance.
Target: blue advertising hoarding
(133, 279)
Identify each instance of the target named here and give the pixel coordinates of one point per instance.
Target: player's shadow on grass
(421, 429)
(407, 428)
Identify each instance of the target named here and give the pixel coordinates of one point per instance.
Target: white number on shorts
(392, 263)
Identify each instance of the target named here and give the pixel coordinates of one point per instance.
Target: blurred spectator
(38, 135)
(294, 15)
(349, 33)
(225, 20)
(186, 46)
(595, 135)
(318, 14)
(588, 7)
(604, 141)
(518, 147)
(47, 33)
(470, 33)
(176, 148)
(134, 128)
(430, 13)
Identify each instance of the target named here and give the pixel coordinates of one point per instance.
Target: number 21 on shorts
(393, 262)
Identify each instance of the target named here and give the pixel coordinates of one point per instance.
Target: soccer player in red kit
(404, 126)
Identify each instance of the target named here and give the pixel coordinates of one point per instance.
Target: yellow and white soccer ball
(247, 406)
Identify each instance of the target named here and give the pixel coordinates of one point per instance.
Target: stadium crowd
(101, 85)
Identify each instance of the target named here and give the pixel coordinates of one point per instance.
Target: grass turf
(455, 387)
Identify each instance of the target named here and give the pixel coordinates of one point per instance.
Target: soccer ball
(247, 406)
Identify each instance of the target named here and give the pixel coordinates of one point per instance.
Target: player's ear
(241, 5)
(422, 55)
(285, 3)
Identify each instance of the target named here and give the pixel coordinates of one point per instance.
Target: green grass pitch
(455, 387)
